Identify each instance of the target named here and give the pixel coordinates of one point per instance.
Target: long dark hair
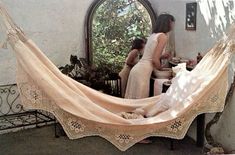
(137, 44)
(163, 23)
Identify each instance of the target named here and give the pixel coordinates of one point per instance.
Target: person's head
(138, 44)
(164, 23)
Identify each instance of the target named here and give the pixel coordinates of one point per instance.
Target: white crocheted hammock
(83, 111)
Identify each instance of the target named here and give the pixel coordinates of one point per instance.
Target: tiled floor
(42, 141)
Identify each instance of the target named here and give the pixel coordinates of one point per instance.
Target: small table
(152, 86)
(165, 86)
(173, 64)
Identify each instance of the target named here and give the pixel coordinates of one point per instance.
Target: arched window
(111, 27)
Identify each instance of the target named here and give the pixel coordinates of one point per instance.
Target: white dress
(139, 77)
(124, 74)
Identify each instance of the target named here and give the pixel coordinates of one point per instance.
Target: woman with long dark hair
(131, 60)
(138, 81)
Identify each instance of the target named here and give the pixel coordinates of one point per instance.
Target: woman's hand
(157, 64)
(166, 56)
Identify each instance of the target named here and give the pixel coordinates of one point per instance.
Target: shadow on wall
(218, 15)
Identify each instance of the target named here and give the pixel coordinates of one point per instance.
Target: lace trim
(122, 137)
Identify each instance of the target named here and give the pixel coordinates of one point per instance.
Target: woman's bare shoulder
(162, 37)
(134, 51)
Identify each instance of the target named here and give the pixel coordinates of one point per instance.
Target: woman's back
(150, 47)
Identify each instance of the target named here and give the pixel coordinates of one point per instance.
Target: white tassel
(4, 45)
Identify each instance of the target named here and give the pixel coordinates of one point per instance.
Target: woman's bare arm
(131, 58)
(162, 40)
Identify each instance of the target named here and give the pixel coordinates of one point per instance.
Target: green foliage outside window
(115, 24)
